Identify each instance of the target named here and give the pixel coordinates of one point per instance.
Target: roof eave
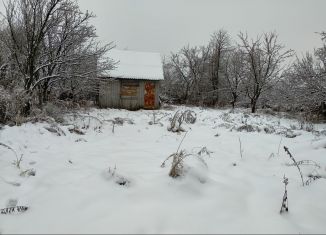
(132, 78)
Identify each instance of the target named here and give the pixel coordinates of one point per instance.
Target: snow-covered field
(105, 182)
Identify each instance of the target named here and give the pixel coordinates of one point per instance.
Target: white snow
(136, 65)
(229, 195)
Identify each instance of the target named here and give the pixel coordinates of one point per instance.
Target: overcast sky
(167, 25)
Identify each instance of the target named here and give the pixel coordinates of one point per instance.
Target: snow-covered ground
(105, 182)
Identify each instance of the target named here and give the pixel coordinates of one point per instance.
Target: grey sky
(167, 25)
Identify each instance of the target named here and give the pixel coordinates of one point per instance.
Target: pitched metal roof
(136, 65)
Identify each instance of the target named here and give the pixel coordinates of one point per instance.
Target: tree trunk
(45, 92)
(215, 84)
(40, 95)
(235, 98)
(233, 104)
(253, 106)
(216, 98)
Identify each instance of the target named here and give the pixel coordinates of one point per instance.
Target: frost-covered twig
(119, 179)
(10, 148)
(312, 178)
(182, 141)
(295, 163)
(279, 147)
(172, 155)
(307, 163)
(75, 130)
(204, 151)
(278, 150)
(18, 160)
(285, 202)
(86, 116)
(55, 129)
(241, 150)
(156, 119)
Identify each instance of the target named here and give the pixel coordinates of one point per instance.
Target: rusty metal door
(149, 96)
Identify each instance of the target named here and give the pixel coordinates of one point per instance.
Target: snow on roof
(136, 65)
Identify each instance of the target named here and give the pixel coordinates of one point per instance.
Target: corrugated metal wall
(110, 95)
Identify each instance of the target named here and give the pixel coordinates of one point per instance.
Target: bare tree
(172, 90)
(28, 22)
(51, 41)
(189, 66)
(321, 56)
(219, 45)
(303, 88)
(71, 53)
(307, 83)
(4, 64)
(265, 58)
(235, 73)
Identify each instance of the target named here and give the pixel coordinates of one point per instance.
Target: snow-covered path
(73, 191)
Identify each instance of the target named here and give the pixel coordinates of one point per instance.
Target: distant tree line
(49, 52)
(247, 72)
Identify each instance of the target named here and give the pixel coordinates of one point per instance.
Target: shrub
(178, 159)
(179, 118)
(15, 106)
(54, 111)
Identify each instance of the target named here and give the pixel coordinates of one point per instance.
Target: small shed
(134, 83)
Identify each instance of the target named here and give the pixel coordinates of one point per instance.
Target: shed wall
(110, 95)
